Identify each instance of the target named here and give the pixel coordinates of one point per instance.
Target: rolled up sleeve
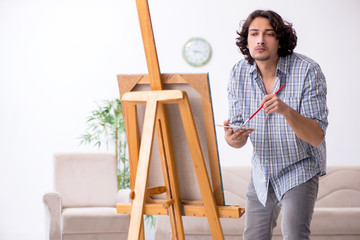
(314, 97)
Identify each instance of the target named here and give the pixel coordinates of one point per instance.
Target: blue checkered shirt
(279, 156)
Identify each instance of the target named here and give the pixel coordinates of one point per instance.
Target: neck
(268, 73)
(267, 68)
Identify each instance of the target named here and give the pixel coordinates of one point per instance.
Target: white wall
(58, 57)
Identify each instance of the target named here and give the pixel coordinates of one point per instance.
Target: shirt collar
(282, 65)
(252, 68)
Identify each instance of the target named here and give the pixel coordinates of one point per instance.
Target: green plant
(106, 126)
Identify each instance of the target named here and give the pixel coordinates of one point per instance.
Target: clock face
(197, 52)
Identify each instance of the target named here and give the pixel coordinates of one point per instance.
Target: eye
(253, 33)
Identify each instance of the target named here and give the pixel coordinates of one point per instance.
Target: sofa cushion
(94, 220)
(86, 179)
(340, 187)
(235, 183)
(101, 236)
(336, 221)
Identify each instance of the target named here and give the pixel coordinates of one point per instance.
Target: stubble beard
(261, 58)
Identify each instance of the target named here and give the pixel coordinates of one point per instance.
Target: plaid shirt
(279, 156)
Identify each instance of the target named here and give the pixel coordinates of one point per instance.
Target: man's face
(262, 42)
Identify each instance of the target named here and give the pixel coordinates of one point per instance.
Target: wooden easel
(156, 120)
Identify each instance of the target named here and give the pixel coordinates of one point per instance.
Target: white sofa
(336, 215)
(83, 203)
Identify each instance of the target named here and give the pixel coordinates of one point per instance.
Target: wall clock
(196, 52)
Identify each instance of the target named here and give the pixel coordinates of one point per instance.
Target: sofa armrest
(52, 201)
(123, 196)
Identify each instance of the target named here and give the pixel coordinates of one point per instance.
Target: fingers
(271, 107)
(235, 135)
(267, 98)
(271, 103)
(226, 123)
(239, 135)
(237, 138)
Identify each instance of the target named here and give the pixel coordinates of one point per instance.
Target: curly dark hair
(283, 30)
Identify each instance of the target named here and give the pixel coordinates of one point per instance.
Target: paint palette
(242, 127)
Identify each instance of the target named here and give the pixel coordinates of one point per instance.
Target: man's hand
(272, 103)
(236, 139)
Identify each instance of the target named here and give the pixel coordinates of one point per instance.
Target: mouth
(260, 49)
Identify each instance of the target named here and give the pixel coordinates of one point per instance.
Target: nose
(260, 40)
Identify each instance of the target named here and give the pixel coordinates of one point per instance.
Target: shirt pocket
(293, 102)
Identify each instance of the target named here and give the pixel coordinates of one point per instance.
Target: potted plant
(106, 126)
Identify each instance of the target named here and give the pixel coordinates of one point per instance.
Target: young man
(287, 134)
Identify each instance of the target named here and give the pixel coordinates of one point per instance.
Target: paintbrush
(260, 108)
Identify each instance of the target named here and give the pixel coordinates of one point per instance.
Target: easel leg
(169, 173)
(134, 146)
(200, 169)
(142, 229)
(142, 170)
(132, 134)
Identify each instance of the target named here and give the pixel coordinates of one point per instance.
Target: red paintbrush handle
(256, 112)
(280, 89)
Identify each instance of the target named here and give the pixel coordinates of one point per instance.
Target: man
(287, 135)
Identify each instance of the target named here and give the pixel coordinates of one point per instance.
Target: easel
(156, 120)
